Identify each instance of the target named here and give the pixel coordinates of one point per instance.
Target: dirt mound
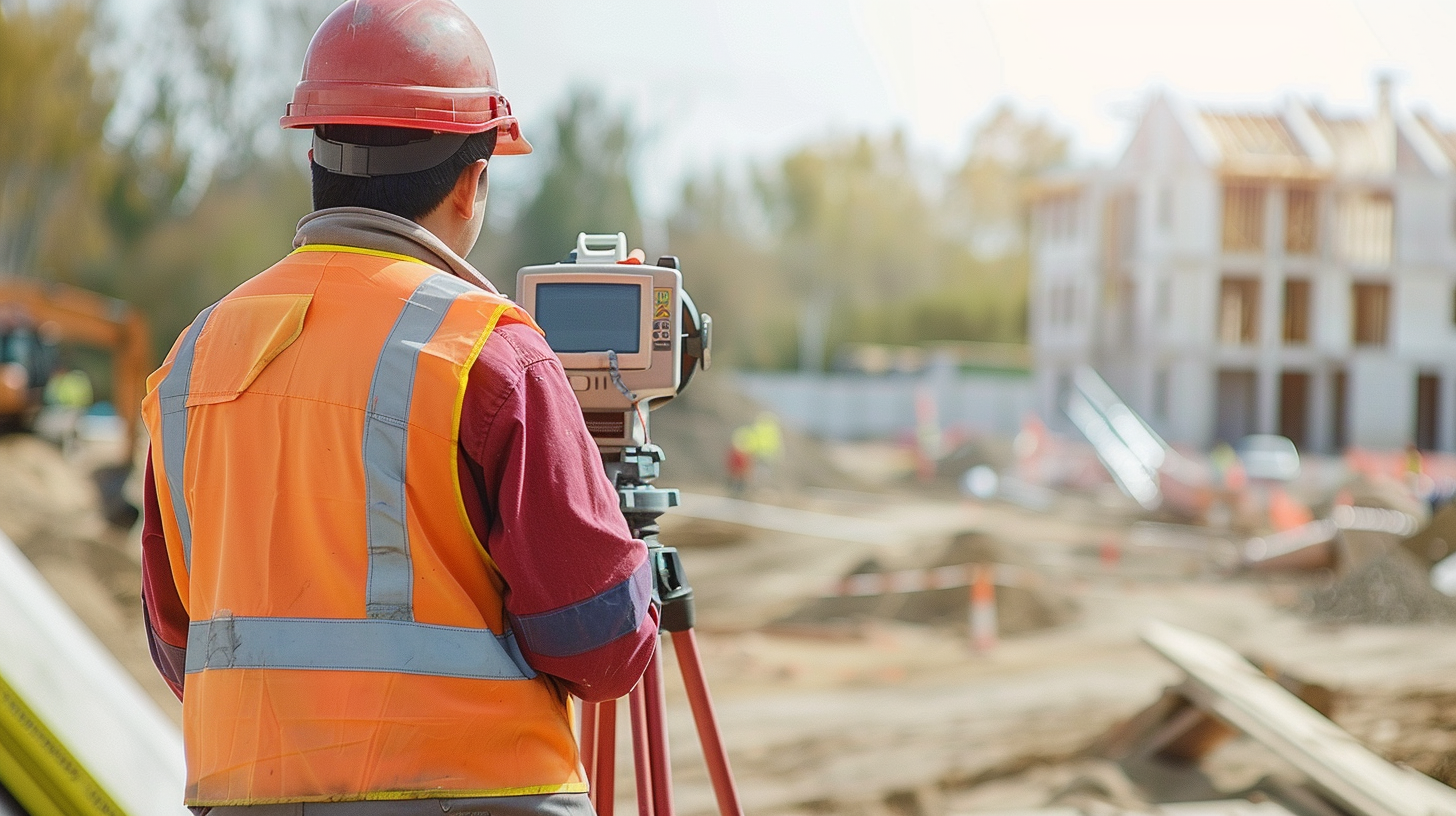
(1413, 728)
(1393, 588)
(696, 429)
(54, 512)
(46, 505)
(1018, 608)
(1438, 539)
(1388, 494)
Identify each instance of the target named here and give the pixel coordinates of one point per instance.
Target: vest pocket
(241, 338)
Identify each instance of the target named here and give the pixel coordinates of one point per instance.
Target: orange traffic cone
(983, 608)
(1109, 553)
(1286, 512)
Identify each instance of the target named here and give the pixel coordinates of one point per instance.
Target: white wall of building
(1382, 400)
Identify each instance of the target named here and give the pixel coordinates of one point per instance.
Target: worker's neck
(456, 220)
(451, 232)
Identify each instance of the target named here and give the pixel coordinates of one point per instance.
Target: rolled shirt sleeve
(164, 613)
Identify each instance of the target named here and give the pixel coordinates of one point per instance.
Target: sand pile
(1413, 728)
(45, 503)
(1437, 539)
(1018, 608)
(54, 513)
(1392, 588)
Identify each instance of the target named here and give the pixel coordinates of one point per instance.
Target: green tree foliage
(167, 202)
(206, 193)
(731, 275)
(53, 107)
(242, 225)
(851, 221)
(866, 243)
(985, 199)
(586, 188)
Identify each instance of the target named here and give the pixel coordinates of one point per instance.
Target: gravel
(1393, 588)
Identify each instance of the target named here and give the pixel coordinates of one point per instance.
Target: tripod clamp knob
(641, 505)
(670, 585)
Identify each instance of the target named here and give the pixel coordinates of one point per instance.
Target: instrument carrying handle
(601, 247)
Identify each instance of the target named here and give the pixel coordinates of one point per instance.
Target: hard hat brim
(443, 110)
(509, 142)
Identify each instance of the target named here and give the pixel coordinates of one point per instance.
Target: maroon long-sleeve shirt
(536, 494)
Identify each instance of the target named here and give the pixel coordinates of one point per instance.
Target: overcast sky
(724, 82)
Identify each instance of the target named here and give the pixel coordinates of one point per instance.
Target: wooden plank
(1225, 684)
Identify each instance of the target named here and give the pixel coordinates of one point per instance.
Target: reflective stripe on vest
(386, 428)
(388, 639)
(405, 647)
(172, 399)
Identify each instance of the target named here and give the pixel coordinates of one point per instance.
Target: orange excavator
(37, 316)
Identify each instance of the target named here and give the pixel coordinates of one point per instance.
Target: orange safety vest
(348, 637)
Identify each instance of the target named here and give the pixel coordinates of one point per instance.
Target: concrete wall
(1382, 401)
(859, 406)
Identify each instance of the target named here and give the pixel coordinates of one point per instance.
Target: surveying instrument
(630, 339)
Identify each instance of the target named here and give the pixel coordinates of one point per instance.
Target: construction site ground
(878, 704)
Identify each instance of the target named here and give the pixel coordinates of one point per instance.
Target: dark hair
(409, 195)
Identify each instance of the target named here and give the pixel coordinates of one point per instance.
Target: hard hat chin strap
(367, 161)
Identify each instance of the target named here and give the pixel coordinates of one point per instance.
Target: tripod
(631, 472)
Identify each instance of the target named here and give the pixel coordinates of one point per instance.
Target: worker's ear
(469, 190)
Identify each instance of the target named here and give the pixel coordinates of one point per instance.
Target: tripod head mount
(632, 470)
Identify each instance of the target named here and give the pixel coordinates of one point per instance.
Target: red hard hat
(419, 64)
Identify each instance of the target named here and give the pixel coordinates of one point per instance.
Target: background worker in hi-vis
(380, 547)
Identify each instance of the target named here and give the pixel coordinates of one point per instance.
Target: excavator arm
(67, 314)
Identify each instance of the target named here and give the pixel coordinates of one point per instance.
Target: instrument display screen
(587, 317)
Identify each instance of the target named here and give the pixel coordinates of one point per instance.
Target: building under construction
(1289, 270)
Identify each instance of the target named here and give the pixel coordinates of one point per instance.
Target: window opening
(1238, 311)
(1301, 228)
(1371, 304)
(1243, 218)
(1365, 225)
(1428, 407)
(1296, 311)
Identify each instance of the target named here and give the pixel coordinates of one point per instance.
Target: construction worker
(380, 548)
(762, 442)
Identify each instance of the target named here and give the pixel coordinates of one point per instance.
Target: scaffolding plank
(79, 736)
(1226, 685)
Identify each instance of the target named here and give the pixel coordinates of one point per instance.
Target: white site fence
(865, 406)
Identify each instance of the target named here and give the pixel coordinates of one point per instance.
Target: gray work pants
(549, 804)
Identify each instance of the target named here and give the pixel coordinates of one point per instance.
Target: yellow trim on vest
(455, 429)
(377, 253)
(535, 790)
(400, 796)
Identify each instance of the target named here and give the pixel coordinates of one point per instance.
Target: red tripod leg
(588, 744)
(657, 753)
(641, 762)
(685, 643)
(604, 773)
